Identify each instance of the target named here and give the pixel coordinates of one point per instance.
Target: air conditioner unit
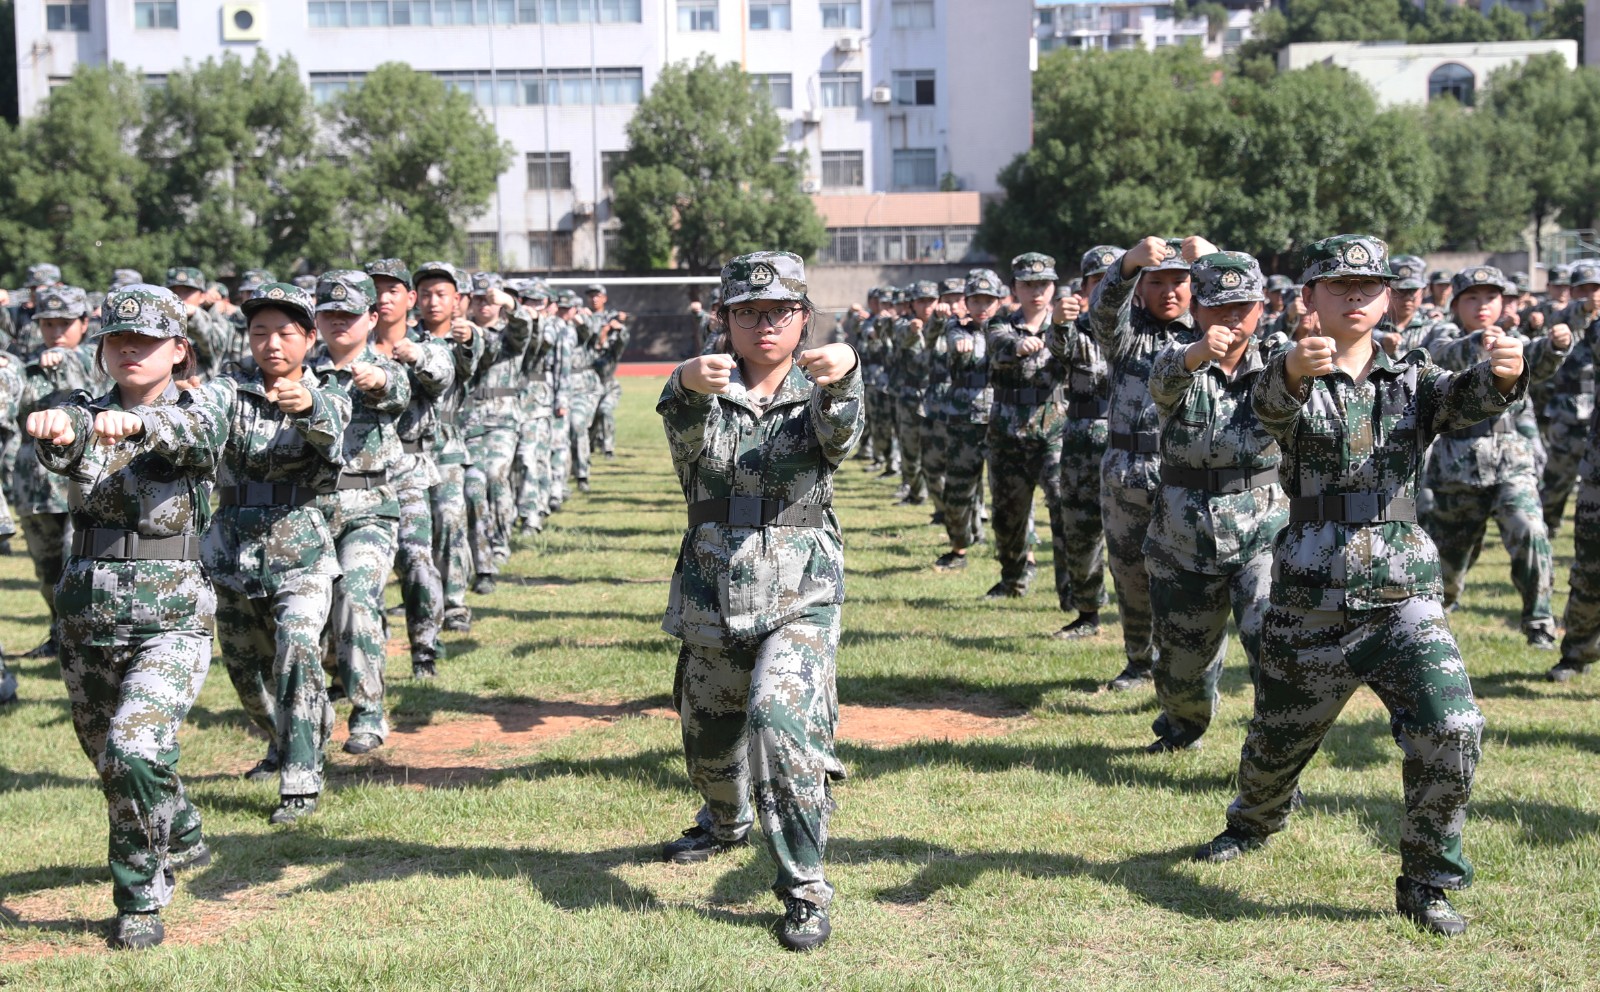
(811, 116)
(244, 20)
(847, 45)
(882, 94)
(811, 186)
(582, 209)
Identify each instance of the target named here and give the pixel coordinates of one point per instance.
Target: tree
(1475, 207)
(1563, 19)
(1546, 130)
(419, 161)
(703, 179)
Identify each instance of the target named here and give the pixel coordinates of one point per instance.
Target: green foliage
(703, 180)
(1549, 122)
(1476, 206)
(1563, 19)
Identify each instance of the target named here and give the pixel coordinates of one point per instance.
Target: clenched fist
(111, 426)
(462, 330)
(1195, 247)
(406, 351)
(1067, 309)
(829, 363)
(1029, 346)
(1505, 357)
(1561, 337)
(367, 377)
(51, 426)
(1212, 347)
(1309, 357)
(291, 397)
(1150, 251)
(707, 374)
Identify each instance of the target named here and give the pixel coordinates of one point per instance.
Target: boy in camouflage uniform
(536, 405)
(936, 399)
(490, 426)
(136, 606)
(1219, 506)
(276, 433)
(908, 381)
(610, 342)
(966, 415)
(571, 361)
(1407, 324)
(209, 332)
(362, 512)
(1569, 404)
(876, 346)
(1355, 591)
(756, 437)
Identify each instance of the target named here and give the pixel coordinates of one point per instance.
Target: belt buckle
(256, 493)
(1362, 508)
(744, 511)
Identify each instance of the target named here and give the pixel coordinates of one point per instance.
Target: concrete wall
(1398, 74)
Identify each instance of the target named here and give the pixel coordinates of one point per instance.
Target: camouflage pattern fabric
(1081, 544)
(603, 435)
(1024, 444)
(534, 442)
(966, 420)
(1564, 453)
(1569, 412)
(875, 352)
(452, 548)
(492, 415)
(420, 587)
(1580, 644)
(583, 401)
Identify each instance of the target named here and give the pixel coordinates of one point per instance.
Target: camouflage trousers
(908, 427)
(127, 704)
(49, 537)
(1564, 444)
(966, 445)
(935, 458)
(1581, 642)
(534, 457)
(1016, 466)
(364, 536)
(603, 433)
(583, 401)
(758, 715)
(1125, 513)
(1191, 611)
(560, 459)
(452, 549)
(491, 502)
(8, 525)
(884, 430)
(420, 588)
(1312, 661)
(1457, 522)
(273, 652)
(1080, 540)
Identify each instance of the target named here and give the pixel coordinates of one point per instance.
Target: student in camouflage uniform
(1580, 645)
(1140, 309)
(1219, 506)
(26, 338)
(857, 321)
(756, 596)
(610, 342)
(209, 332)
(1355, 592)
(42, 497)
(536, 408)
(596, 328)
(1439, 282)
(490, 426)
(362, 512)
(936, 399)
(876, 347)
(276, 433)
(1488, 469)
(908, 381)
(1407, 324)
(1569, 406)
(136, 606)
(438, 286)
(966, 414)
(1081, 543)
(430, 370)
(567, 368)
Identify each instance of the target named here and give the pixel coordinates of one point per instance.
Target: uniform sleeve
(323, 425)
(1109, 318)
(468, 355)
(1003, 341)
(61, 458)
(839, 414)
(1450, 401)
(514, 340)
(689, 418)
(1276, 407)
(435, 369)
(1170, 378)
(1543, 358)
(193, 431)
(395, 395)
(1063, 340)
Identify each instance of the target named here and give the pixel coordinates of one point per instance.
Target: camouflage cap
(1408, 271)
(187, 276)
(1279, 284)
(306, 282)
(1033, 266)
(1440, 275)
(390, 268)
(219, 289)
(484, 283)
(534, 290)
(63, 302)
(953, 286)
(346, 291)
(436, 270)
(1585, 273)
(1524, 284)
(254, 279)
(1347, 255)
(568, 299)
(291, 299)
(1174, 262)
(1099, 259)
(1226, 277)
(1477, 275)
(125, 277)
(1071, 287)
(985, 282)
(43, 274)
(766, 275)
(884, 293)
(595, 287)
(924, 289)
(154, 311)
(1560, 275)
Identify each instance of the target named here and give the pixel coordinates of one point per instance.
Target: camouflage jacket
(1207, 423)
(33, 488)
(216, 341)
(1497, 457)
(1337, 437)
(1412, 335)
(492, 401)
(971, 397)
(908, 375)
(608, 355)
(1130, 338)
(430, 377)
(1088, 381)
(936, 398)
(1571, 389)
(875, 353)
(733, 581)
(566, 363)
(135, 485)
(371, 441)
(449, 405)
(1015, 416)
(253, 550)
(541, 364)
(586, 372)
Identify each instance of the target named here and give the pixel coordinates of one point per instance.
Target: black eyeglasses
(749, 318)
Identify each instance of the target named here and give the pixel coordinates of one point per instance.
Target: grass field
(504, 838)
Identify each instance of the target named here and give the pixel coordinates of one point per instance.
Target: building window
(610, 246)
(769, 15)
(610, 165)
(550, 250)
(549, 170)
(841, 89)
(697, 15)
(843, 170)
(66, 17)
(553, 87)
(852, 245)
(155, 15)
(914, 88)
(779, 88)
(1453, 80)
(842, 15)
(916, 169)
(428, 13)
(912, 13)
(483, 252)
(327, 85)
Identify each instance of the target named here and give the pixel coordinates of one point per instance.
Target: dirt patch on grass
(945, 720)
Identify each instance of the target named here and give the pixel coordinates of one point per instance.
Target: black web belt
(1140, 443)
(1218, 480)
(1027, 396)
(753, 511)
(130, 545)
(1484, 428)
(363, 480)
(1352, 508)
(265, 494)
(416, 447)
(495, 392)
(969, 380)
(1088, 408)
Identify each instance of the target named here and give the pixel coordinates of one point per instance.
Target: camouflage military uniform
(268, 548)
(1130, 338)
(541, 394)
(603, 435)
(583, 394)
(966, 415)
(935, 402)
(491, 432)
(908, 380)
(757, 605)
(136, 610)
(1214, 517)
(1569, 409)
(1355, 590)
(875, 349)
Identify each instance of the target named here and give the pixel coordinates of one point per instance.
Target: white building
(1114, 25)
(882, 95)
(1412, 74)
